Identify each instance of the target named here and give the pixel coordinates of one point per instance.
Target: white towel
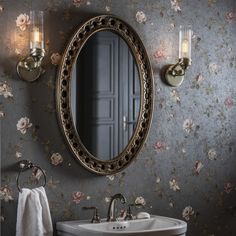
(33, 214)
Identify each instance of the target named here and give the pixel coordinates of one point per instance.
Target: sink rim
(180, 226)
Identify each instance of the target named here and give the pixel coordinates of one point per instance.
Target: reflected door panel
(105, 95)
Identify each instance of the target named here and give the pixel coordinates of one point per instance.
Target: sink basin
(156, 225)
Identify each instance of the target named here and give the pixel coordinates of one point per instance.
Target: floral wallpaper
(186, 169)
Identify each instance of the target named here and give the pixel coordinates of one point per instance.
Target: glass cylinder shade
(36, 30)
(185, 36)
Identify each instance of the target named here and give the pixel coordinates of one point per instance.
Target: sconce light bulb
(185, 48)
(36, 36)
(36, 39)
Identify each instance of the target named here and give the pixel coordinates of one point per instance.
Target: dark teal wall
(193, 125)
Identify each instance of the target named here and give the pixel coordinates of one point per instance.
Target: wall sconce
(175, 73)
(29, 68)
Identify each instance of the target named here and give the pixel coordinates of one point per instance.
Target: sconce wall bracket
(175, 73)
(30, 68)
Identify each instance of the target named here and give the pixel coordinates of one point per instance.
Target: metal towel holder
(26, 165)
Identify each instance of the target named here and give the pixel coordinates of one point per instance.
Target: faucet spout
(111, 209)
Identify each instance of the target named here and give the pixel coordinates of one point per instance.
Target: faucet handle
(96, 218)
(129, 215)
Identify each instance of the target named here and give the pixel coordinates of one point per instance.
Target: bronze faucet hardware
(111, 209)
(129, 215)
(96, 218)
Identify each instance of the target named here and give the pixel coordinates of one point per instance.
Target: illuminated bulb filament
(36, 39)
(36, 35)
(185, 47)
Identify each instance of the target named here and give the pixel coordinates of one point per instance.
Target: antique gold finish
(175, 73)
(29, 68)
(63, 94)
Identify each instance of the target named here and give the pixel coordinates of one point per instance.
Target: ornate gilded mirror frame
(86, 159)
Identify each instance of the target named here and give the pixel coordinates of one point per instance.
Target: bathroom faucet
(111, 209)
(96, 218)
(129, 215)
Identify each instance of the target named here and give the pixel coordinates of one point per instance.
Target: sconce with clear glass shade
(185, 36)
(30, 68)
(175, 73)
(36, 31)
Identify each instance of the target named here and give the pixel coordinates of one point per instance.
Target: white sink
(156, 225)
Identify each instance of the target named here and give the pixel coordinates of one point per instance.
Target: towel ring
(26, 165)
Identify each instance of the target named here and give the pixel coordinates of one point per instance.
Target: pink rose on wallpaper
(78, 3)
(159, 146)
(77, 197)
(229, 102)
(56, 159)
(175, 5)
(5, 90)
(23, 124)
(230, 17)
(187, 212)
(55, 59)
(22, 21)
(141, 17)
(6, 194)
(212, 155)
(160, 53)
(228, 187)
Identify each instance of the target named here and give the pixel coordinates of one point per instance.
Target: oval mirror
(105, 94)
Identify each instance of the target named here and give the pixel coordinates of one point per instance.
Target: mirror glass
(105, 95)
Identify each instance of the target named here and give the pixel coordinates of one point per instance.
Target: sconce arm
(183, 63)
(31, 64)
(175, 73)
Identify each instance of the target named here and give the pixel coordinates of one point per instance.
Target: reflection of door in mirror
(105, 95)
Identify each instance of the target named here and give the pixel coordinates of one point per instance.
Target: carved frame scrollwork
(63, 94)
